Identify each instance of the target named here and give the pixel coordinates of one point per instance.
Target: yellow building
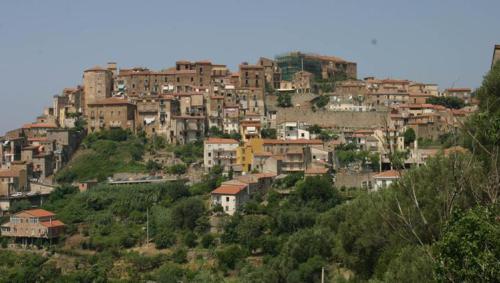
(245, 152)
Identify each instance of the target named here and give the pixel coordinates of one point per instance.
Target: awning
(149, 120)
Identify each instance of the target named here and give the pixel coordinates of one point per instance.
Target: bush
(229, 256)
(207, 240)
(177, 169)
(164, 239)
(189, 239)
(179, 255)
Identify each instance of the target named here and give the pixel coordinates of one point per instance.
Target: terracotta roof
(39, 125)
(265, 153)
(248, 179)
(390, 174)
(299, 141)
(9, 173)
(457, 90)
(264, 175)
(221, 141)
(53, 223)
(316, 170)
(229, 189)
(38, 212)
(111, 101)
(42, 139)
(95, 69)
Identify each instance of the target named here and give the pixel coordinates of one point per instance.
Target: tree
(229, 256)
(284, 100)
(469, 250)
(177, 169)
(268, 133)
(409, 136)
(186, 212)
(314, 129)
(321, 101)
(448, 102)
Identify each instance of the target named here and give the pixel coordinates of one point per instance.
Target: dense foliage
(448, 102)
(105, 153)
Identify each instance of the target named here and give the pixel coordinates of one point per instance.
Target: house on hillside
(230, 196)
(385, 179)
(33, 223)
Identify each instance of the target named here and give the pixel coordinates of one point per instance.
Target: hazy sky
(45, 45)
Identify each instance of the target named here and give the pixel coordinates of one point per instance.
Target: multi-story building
(461, 93)
(220, 152)
(293, 131)
(111, 113)
(271, 72)
(322, 67)
(33, 223)
(302, 81)
(97, 85)
(13, 180)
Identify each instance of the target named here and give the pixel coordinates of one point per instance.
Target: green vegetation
(438, 222)
(409, 136)
(189, 153)
(268, 133)
(215, 132)
(349, 153)
(177, 169)
(285, 100)
(448, 102)
(104, 154)
(321, 101)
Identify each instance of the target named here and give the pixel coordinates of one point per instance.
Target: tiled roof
(39, 125)
(299, 141)
(53, 223)
(9, 173)
(221, 141)
(457, 90)
(390, 174)
(316, 170)
(111, 101)
(229, 189)
(38, 212)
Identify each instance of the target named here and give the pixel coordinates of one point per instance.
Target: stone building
(97, 85)
(496, 55)
(322, 67)
(111, 113)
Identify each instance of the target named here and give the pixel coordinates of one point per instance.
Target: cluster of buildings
(182, 103)
(32, 154)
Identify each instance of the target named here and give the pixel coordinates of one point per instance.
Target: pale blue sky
(45, 45)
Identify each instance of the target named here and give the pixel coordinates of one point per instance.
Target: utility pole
(322, 275)
(147, 226)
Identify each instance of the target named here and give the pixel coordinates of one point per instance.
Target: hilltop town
(274, 172)
(280, 116)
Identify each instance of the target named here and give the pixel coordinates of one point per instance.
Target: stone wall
(331, 119)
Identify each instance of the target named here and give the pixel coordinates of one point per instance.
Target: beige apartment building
(111, 113)
(220, 152)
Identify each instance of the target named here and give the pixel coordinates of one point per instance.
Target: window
(209, 154)
(227, 198)
(227, 208)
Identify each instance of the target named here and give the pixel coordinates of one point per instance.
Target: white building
(293, 131)
(385, 179)
(220, 152)
(230, 196)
